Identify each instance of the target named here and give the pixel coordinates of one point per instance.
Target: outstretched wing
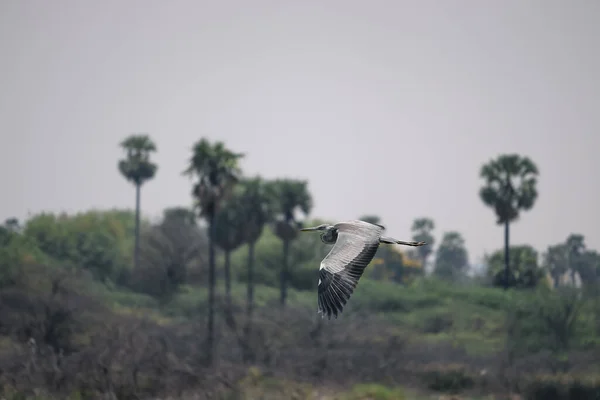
(340, 270)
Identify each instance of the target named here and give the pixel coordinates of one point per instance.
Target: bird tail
(389, 240)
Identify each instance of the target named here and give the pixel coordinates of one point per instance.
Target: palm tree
(137, 168)
(510, 186)
(290, 195)
(258, 210)
(229, 236)
(421, 229)
(216, 170)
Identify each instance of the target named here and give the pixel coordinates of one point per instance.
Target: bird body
(354, 246)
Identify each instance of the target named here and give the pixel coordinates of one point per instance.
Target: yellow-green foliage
(17, 251)
(99, 241)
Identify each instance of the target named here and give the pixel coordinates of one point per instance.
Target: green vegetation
(221, 303)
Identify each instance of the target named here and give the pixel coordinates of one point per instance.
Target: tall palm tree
(258, 211)
(137, 168)
(229, 236)
(510, 186)
(216, 171)
(290, 196)
(421, 229)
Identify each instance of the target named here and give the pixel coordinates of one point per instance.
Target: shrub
(562, 387)
(451, 378)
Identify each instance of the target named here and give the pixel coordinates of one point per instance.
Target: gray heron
(354, 246)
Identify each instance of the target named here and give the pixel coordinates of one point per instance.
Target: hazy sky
(386, 107)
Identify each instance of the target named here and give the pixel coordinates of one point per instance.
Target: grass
(429, 310)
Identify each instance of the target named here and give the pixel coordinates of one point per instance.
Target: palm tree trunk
(250, 292)
(506, 255)
(228, 279)
(211, 291)
(136, 248)
(284, 271)
(249, 304)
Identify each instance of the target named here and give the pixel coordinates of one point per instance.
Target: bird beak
(308, 229)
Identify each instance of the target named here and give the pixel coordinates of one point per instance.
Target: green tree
(589, 269)
(229, 236)
(510, 187)
(451, 260)
(137, 168)
(181, 214)
(166, 252)
(12, 224)
(290, 196)
(95, 241)
(257, 203)
(422, 232)
(575, 247)
(524, 272)
(373, 219)
(216, 171)
(556, 262)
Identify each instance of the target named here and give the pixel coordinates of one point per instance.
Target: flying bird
(354, 246)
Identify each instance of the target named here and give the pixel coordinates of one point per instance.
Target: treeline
(244, 232)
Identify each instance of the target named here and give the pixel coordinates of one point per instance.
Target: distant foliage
(99, 242)
(524, 271)
(451, 261)
(393, 264)
(572, 257)
(422, 230)
(372, 219)
(169, 250)
(16, 250)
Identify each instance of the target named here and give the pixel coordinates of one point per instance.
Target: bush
(436, 322)
(562, 387)
(451, 378)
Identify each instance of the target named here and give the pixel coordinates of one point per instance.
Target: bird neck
(329, 236)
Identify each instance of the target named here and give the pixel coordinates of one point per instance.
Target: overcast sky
(386, 107)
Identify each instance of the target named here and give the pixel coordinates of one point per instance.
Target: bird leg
(389, 240)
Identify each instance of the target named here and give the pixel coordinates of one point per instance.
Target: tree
(421, 229)
(524, 272)
(575, 247)
(452, 259)
(181, 214)
(290, 196)
(373, 219)
(257, 203)
(137, 168)
(167, 251)
(94, 241)
(510, 187)
(229, 236)
(216, 171)
(556, 262)
(589, 268)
